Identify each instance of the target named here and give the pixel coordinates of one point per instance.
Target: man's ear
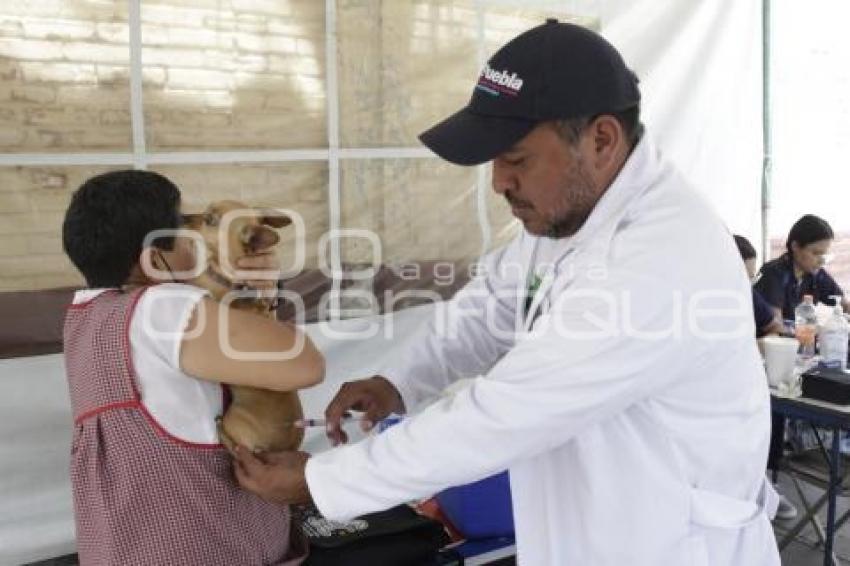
(607, 137)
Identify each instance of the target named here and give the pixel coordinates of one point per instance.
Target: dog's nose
(258, 238)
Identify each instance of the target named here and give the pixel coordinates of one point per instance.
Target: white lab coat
(626, 443)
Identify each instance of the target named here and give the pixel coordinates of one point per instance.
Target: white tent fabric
(701, 75)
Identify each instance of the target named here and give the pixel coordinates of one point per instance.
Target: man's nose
(503, 181)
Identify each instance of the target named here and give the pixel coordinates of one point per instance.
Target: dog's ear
(256, 238)
(192, 221)
(274, 218)
(212, 217)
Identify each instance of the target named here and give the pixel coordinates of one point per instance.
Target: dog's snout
(258, 238)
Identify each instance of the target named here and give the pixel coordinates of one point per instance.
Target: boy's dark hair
(108, 219)
(809, 229)
(745, 248)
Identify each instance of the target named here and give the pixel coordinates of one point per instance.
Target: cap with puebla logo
(551, 72)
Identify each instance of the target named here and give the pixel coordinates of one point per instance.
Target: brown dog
(258, 419)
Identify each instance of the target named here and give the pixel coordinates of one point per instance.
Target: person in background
(799, 271)
(783, 282)
(767, 321)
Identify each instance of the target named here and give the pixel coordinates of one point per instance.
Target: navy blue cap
(554, 71)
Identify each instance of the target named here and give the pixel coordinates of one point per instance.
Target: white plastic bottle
(833, 338)
(806, 325)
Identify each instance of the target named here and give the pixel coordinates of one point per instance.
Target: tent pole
(767, 146)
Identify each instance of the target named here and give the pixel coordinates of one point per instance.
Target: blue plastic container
(481, 509)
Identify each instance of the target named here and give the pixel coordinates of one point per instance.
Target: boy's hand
(262, 261)
(274, 476)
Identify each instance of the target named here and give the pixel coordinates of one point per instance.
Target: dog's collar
(224, 281)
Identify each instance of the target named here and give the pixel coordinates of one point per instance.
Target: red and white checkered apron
(142, 496)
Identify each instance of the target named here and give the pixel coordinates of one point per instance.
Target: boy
(145, 367)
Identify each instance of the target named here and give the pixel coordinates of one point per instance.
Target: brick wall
(245, 75)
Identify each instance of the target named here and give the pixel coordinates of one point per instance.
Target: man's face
(547, 183)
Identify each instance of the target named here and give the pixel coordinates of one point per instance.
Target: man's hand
(275, 476)
(264, 260)
(375, 396)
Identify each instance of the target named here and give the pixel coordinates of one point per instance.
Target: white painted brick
(116, 138)
(28, 266)
(250, 63)
(298, 28)
(265, 82)
(169, 57)
(113, 32)
(309, 47)
(23, 223)
(96, 53)
(113, 74)
(169, 15)
(265, 43)
(252, 23)
(8, 69)
(218, 99)
(14, 245)
(102, 96)
(58, 72)
(43, 244)
(10, 27)
(12, 138)
(30, 49)
(272, 7)
(59, 29)
(15, 202)
(298, 65)
(35, 94)
(155, 35)
(198, 79)
(221, 22)
(49, 201)
(153, 75)
(114, 117)
(198, 120)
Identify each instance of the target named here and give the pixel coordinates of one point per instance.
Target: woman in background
(783, 282)
(799, 271)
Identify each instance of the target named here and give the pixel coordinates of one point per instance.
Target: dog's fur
(258, 419)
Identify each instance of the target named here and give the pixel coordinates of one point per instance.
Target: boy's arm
(242, 348)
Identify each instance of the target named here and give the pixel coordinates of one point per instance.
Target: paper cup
(780, 353)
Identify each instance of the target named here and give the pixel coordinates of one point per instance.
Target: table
(826, 415)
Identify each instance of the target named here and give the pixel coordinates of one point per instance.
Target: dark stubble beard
(579, 195)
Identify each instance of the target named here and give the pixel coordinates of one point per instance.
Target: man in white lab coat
(619, 381)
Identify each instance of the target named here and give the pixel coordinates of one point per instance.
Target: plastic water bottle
(806, 325)
(833, 338)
